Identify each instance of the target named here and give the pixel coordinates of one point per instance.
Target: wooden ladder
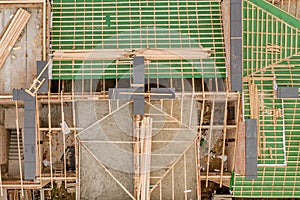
(37, 82)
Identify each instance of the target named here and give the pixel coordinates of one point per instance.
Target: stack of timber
(146, 143)
(10, 35)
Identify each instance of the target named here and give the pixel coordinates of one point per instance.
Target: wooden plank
(12, 33)
(20, 1)
(254, 104)
(146, 158)
(149, 54)
(224, 140)
(136, 140)
(209, 141)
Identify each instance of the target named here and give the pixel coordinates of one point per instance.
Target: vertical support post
(136, 149)
(44, 29)
(185, 181)
(19, 150)
(76, 145)
(146, 138)
(224, 139)
(1, 186)
(49, 135)
(209, 142)
(236, 129)
(64, 137)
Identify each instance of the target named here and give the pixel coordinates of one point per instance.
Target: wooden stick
(64, 137)
(76, 145)
(44, 29)
(50, 136)
(236, 132)
(209, 141)
(148, 53)
(19, 148)
(1, 186)
(173, 184)
(18, 2)
(185, 181)
(136, 141)
(224, 140)
(270, 151)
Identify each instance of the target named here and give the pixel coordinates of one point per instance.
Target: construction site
(148, 99)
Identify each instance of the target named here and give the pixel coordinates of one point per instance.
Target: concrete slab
(138, 70)
(236, 45)
(251, 148)
(20, 94)
(29, 135)
(138, 106)
(287, 92)
(29, 153)
(251, 126)
(30, 105)
(29, 170)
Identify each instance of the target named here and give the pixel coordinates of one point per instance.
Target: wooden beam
(254, 104)
(77, 167)
(1, 186)
(44, 29)
(209, 141)
(123, 54)
(20, 1)
(64, 137)
(146, 140)
(12, 33)
(19, 148)
(224, 141)
(237, 122)
(50, 135)
(136, 141)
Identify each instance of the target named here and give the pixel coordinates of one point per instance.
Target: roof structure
(129, 26)
(271, 47)
(154, 99)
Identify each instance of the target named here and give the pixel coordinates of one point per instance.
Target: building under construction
(145, 99)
